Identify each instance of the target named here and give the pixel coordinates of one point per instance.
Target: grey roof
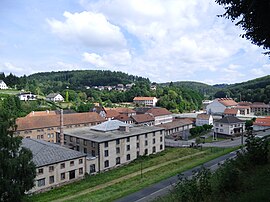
(109, 125)
(52, 95)
(229, 119)
(46, 153)
(98, 136)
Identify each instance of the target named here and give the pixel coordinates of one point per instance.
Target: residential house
(261, 123)
(55, 165)
(111, 113)
(3, 85)
(177, 128)
(219, 105)
(129, 85)
(231, 112)
(120, 87)
(143, 119)
(161, 115)
(124, 118)
(124, 110)
(27, 96)
(114, 143)
(229, 126)
(260, 108)
(243, 110)
(44, 127)
(203, 119)
(145, 101)
(55, 97)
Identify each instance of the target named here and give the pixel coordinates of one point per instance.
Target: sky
(172, 40)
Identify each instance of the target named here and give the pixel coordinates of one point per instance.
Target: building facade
(219, 105)
(3, 85)
(27, 96)
(145, 101)
(203, 119)
(55, 97)
(229, 126)
(161, 115)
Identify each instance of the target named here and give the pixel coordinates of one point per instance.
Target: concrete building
(27, 96)
(145, 101)
(44, 126)
(229, 126)
(3, 85)
(55, 97)
(231, 112)
(161, 115)
(55, 165)
(203, 119)
(219, 105)
(113, 143)
(260, 108)
(143, 120)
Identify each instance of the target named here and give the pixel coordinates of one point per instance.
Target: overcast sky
(172, 40)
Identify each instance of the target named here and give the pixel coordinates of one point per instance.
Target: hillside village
(66, 145)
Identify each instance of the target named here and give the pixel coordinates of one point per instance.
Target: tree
(17, 170)
(253, 16)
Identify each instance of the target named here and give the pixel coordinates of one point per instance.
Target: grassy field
(9, 91)
(127, 179)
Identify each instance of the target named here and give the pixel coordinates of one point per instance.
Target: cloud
(89, 28)
(9, 67)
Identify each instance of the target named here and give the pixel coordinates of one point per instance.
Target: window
(92, 168)
(40, 171)
(118, 160)
(154, 149)
(161, 139)
(71, 174)
(80, 171)
(84, 142)
(138, 153)
(106, 144)
(117, 141)
(38, 136)
(161, 147)
(41, 136)
(154, 141)
(63, 176)
(137, 137)
(62, 165)
(51, 179)
(145, 151)
(146, 142)
(93, 144)
(78, 148)
(154, 134)
(71, 163)
(128, 157)
(106, 153)
(80, 161)
(128, 139)
(128, 147)
(145, 135)
(85, 150)
(161, 132)
(49, 135)
(117, 150)
(138, 145)
(51, 168)
(70, 139)
(41, 182)
(220, 130)
(77, 140)
(106, 163)
(93, 153)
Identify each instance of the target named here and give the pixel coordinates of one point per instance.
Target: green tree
(17, 170)
(253, 16)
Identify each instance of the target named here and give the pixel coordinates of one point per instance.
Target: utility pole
(242, 136)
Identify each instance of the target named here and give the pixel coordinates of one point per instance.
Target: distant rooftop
(46, 153)
(109, 126)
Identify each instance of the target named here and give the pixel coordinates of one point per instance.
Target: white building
(3, 85)
(203, 119)
(161, 115)
(55, 165)
(55, 97)
(145, 101)
(229, 126)
(27, 96)
(219, 105)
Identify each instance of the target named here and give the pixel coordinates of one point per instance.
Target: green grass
(9, 91)
(135, 183)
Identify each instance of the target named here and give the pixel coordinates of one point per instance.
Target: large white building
(114, 143)
(145, 101)
(3, 85)
(27, 96)
(219, 105)
(229, 126)
(203, 119)
(55, 97)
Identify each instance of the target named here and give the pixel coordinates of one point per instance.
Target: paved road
(163, 187)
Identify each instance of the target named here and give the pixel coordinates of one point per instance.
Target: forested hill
(87, 77)
(204, 89)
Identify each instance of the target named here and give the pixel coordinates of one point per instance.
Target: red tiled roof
(158, 112)
(143, 98)
(124, 110)
(244, 103)
(111, 113)
(242, 107)
(28, 123)
(203, 116)
(123, 117)
(176, 123)
(227, 102)
(41, 113)
(262, 121)
(231, 111)
(143, 118)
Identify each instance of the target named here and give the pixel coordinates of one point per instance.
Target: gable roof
(176, 123)
(124, 110)
(110, 113)
(36, 122)
(143, 118)
(203, 116)
(230, 111)
(229, 120)
(109, 126)
(158, 111)
(262, 121)
(53, 95)
(143, 98)
(141, 110)
(123, 117)
(227, 102)
(259, 104)
(46, 153)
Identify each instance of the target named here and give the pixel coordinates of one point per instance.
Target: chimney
(61, 128)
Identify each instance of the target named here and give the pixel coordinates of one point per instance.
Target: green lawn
(135, 183)
(9, 91)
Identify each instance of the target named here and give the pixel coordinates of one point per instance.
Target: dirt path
(107, 184)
